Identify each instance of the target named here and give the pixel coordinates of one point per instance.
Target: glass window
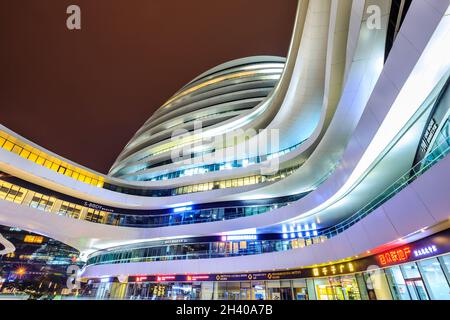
(25, 153)
(47, 164)
(377, 285)
(324, 290)
(32, 157)
(445, 263)
(8, 145)
(40, 160)
(273, 290)
(434, 279)
(414, 282)
(300, 290)
(259, 290)
(16, 149)
(397, 283)
(350, 288)
(410, 271)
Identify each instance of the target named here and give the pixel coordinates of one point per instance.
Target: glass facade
(39, 157)
(197, 250)
(215, 167)
(24, 196)
(421, 280)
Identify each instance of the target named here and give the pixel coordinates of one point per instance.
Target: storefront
(417, 271)
(337, 288)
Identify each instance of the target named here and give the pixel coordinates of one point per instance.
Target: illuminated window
(16, 149)
(33, 157)
(3, 191)
(8, 145)
(25, 154)
(33, 239)
(40, 160)
(47, 164)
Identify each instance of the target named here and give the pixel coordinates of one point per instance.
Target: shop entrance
(416, 289)
(337, 288)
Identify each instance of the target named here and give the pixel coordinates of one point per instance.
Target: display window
(286, 290)
(259, 290)
(414, 282)
(397, 284)
(246, 291)
(324, 290)
(434, 279)
(377, 285)
(273, 290)
(350, 288)
(300, 290)
(421, 280)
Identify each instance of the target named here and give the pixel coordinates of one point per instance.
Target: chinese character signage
(424, 248)
(394, 256)
(425, 251)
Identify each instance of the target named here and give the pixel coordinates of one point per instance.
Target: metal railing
(417, 170)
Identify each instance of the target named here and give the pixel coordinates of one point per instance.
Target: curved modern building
(322, 176)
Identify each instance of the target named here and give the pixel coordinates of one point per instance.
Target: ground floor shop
(426, 279)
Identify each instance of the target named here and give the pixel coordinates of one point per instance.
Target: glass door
(286, 293)
(416, 289)
(246, 294)
(420, 287)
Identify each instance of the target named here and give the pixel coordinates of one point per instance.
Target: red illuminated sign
(196, 278)
(394, 256)
(140, 279)
(164, 278)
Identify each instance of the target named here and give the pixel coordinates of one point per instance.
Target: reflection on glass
(434, 279)
(397, 284)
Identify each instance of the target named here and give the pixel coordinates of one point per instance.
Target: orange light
(21, 271)
(394, 256)
(33, 239)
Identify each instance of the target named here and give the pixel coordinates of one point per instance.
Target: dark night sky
(83, 94)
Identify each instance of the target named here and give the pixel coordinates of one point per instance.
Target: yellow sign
(334, 269)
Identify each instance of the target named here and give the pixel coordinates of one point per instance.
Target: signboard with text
(428, 247)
